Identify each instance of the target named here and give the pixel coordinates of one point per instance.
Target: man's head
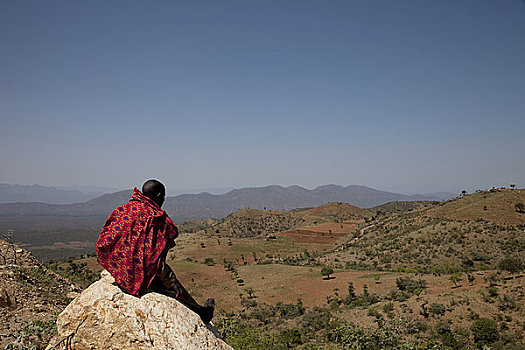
(155, 191)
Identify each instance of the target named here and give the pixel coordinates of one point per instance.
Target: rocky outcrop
(105, 317)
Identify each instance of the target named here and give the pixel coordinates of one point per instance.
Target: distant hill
(199, 206)
(100, 206)
(256, 222)
(90, 189)
(204, 205)
(37, 193)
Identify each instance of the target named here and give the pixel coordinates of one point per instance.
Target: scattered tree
(471, 279)
(365, 291)
(455, 278)
(327, 271)
(424, 311)
(520, 207)
(351, 292)
(228, 265)
(250, 292)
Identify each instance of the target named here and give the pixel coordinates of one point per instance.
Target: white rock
(104, 317)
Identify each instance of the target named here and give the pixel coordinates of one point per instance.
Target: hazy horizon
(87, 189)
(406, 96)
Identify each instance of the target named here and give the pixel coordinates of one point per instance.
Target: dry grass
(497, 207)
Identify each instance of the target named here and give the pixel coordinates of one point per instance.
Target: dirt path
(361, 233)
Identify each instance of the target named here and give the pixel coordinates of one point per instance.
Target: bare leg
(170, 285)
(182, 295)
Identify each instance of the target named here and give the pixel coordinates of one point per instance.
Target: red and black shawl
(136, 236)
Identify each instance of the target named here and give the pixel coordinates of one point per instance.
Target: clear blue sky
(409, 96)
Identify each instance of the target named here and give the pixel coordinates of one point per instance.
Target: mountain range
(36, 193)
(187, 207)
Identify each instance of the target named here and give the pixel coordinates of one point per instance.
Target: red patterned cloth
(134, 241)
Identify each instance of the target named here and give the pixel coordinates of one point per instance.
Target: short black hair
(153, 189)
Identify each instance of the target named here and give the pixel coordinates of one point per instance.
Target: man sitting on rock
(133, 245)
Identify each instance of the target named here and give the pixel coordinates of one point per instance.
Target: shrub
(493, 291)
(410, 285)
(442, 326)
(417, 326)
(507, 302)
(317, 319)
(248, 303)
(290, 310)
(398, 295)
(511, 264)
(228, 265)
(437, 309)
(388, 307)
(263, 313)
(291, 336)
(455, 278)
(485, 331)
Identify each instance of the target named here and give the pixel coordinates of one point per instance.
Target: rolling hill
(258, 223)
(392, 271)
(476, 231)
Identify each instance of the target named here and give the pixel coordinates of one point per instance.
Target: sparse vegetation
(7, 248)
(417, 255)
(77, 272)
